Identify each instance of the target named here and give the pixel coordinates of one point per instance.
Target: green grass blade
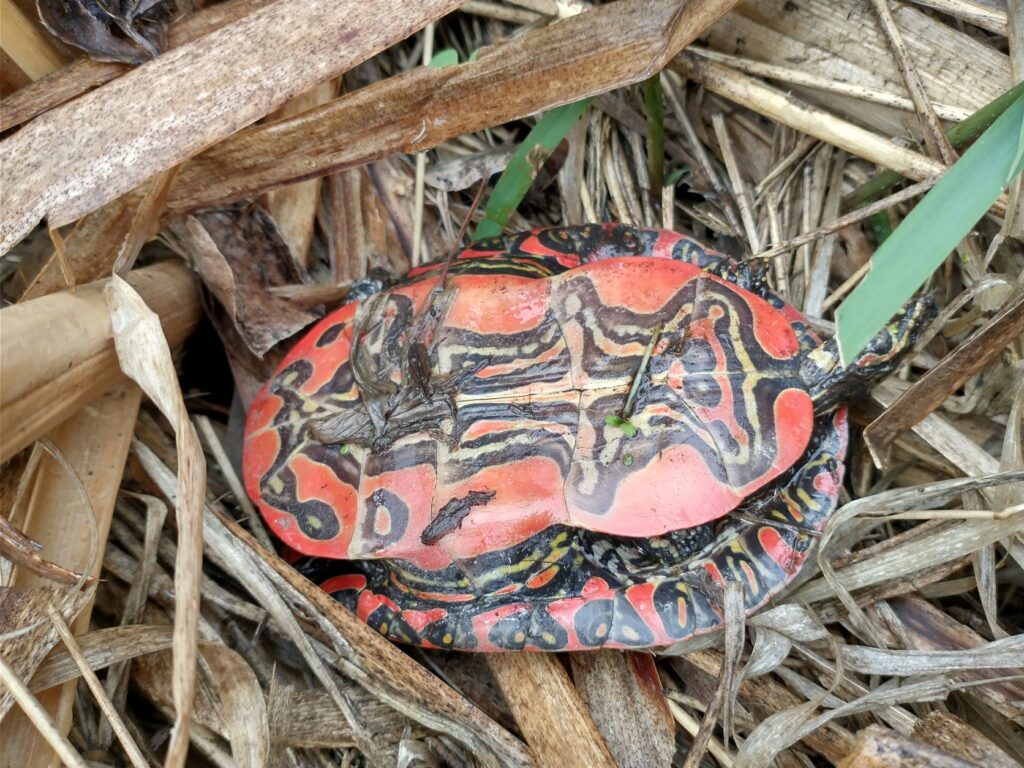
(446, 57)
(938, 222)
(525, 164)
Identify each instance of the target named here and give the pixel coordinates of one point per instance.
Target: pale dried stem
(421, 164)
(914, 190)
(234, 482)
(934, 136)
(984, 15)
(39, 717)
(741, 193)
(113, 717)
(803, 78)
(691, 725)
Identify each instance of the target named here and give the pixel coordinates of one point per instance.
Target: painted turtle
(569, 440)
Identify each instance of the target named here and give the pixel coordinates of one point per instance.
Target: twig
(39, 717)
(700, 152)
(641, 369)
(421, 162)
(442, 283)
(851, 218)
(691, 726)
(938, 144)
(234, 483)
(130, 747)
(739, 186)
(803, 78)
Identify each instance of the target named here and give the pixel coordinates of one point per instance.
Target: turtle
(569, 438)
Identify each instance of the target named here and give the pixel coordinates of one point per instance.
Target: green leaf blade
(446, 57)
(932, 230)
(525, 164)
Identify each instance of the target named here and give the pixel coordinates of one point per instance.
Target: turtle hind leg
(830, 383)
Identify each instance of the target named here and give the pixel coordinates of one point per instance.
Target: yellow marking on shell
(519, 636)
(314, 522)
(448, 352)
(736, 546)
(548, 638)
(527, 438)
(630, 633)
(447, 639)
(382, 520)
(572, 304)
(556, 550)
(806, 500)
(634, 348)
(384, 628)
(276, 484)
(602, 630)
(411, 580)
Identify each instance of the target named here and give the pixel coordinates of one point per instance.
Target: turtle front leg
(831, 383)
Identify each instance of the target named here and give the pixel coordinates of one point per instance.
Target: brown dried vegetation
(142, 624)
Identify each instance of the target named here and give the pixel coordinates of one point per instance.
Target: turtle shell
(470, 432)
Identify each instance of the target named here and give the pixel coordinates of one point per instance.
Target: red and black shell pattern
(462, 445)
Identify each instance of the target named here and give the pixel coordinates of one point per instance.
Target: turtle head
(830, 383)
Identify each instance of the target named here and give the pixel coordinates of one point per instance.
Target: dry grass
(904, 638)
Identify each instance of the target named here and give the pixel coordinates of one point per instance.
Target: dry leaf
(596, 51)
(145, 357)
(241, 255)
(129, 31)
(81, 155)
(243, 709)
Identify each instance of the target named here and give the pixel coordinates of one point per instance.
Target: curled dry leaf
(463, 172)
(1007, 653)
(129, 31)
(243, 709)
(241, 256)
(58, 355)
(789, 726)
(145, 357)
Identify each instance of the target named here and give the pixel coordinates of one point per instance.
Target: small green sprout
(627, 427)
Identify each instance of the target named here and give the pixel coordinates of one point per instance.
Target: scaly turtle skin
(462, 440)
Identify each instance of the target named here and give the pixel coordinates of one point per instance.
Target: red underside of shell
(682, 484)
(542, 367)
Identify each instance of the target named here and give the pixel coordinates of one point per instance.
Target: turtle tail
(830, 383)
